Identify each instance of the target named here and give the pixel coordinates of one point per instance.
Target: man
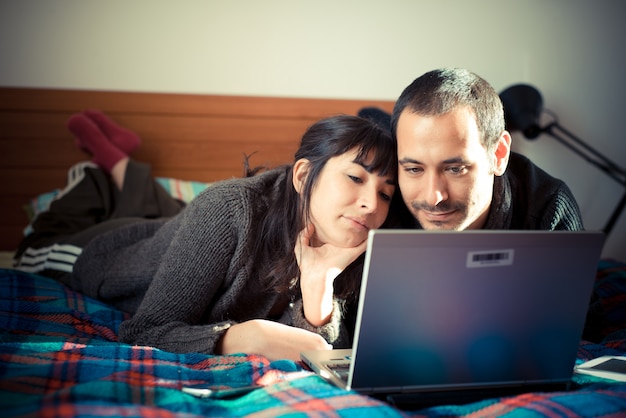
(456, 169)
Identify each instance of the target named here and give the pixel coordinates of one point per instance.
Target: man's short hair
(440, 91)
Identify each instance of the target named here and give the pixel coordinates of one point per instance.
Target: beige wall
(574, 51)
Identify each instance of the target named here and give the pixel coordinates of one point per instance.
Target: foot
(91, 139)
(124, 139)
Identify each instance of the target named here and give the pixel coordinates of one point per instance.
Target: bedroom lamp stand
(523, 105)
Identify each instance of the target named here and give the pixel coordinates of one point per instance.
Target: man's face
(445, 173)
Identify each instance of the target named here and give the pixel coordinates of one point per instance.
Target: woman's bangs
(384, 156)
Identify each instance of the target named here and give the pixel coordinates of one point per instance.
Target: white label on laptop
(490, 258)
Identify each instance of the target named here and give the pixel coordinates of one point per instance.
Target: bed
(59, 353)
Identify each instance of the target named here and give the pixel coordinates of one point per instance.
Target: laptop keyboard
(340, 370)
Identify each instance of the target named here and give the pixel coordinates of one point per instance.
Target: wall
(573, 51)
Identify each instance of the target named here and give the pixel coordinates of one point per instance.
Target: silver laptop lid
(471, 309)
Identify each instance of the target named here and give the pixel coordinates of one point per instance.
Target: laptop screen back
(471, 308)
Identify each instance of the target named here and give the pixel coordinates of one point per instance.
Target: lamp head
(523, 105)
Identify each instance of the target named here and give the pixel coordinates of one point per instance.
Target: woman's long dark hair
(328, 138)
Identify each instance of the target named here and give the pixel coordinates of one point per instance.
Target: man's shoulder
(526, 174)
(540, 197)
(520, 163)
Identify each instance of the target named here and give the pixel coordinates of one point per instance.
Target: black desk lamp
(523, 105)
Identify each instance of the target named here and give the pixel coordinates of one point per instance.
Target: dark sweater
(526, 197)
(196, 271)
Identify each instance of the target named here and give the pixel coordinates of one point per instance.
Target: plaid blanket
(59, 356)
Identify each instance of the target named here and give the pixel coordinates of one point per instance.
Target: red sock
(91, 139)
(125, 139)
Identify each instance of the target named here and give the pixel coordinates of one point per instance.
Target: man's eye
(413, 170)
(457, 170)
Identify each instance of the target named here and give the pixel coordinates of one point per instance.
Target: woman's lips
(359, 223)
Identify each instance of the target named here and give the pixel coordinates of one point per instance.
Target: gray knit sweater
(196, 271)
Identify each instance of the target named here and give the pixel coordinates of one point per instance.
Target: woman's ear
(300, 171)
(502, 153)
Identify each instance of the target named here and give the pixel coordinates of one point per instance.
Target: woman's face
(347, 200)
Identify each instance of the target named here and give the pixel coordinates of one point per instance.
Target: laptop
(447, 315)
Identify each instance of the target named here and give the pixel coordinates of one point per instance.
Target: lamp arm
(607, 166)
(615, 215)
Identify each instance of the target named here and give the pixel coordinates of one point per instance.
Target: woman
(267, 264)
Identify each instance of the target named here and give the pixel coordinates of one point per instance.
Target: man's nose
(436, 190)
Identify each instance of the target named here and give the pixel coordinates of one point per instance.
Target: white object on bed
(606, 367)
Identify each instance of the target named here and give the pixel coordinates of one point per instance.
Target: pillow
(182, 189)
(40, 203)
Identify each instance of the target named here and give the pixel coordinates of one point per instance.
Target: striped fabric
(59, 257)
(59, 356)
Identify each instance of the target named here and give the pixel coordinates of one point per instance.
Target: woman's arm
(272, 339)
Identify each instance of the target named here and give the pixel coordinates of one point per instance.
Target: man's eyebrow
(407, 160)
(455, 160)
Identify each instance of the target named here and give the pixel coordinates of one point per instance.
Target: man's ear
(300, 171)
(502, 153)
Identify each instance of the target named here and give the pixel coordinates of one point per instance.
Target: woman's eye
(385, 197)
(355, 179)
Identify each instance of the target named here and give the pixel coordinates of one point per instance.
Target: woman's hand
(270, 339)
(319, 266)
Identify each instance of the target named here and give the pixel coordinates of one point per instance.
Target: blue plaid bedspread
(59, 356)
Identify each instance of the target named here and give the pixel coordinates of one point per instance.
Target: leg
(84, 202)
(124, 139)
(90, 199)
(118, 172)
(92, 139)
(109, 143)
(141, 196)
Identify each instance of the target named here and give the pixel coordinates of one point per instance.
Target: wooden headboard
(185, 136)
